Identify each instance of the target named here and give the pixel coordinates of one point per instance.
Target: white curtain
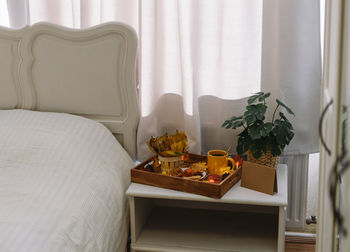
(195, 49)
(200, 59)
(70, 13)
(4, 18)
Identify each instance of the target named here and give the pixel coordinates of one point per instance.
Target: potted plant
(263, 140)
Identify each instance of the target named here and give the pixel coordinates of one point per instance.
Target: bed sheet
(62, 184)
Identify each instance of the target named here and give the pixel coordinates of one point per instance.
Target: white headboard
(84, 72)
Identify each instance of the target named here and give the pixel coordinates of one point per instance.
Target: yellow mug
(217, 160)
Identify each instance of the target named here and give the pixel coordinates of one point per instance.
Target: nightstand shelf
(166, 220)
(170, 228)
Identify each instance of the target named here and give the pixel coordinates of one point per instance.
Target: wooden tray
(212, 190)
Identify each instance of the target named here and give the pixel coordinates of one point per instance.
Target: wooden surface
(138, 175)
(294, 237)
(298, 247)
(236, 195)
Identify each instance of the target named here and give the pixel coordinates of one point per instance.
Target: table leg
(281, 228)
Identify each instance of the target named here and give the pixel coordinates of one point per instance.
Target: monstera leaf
(259, 136)
(285, 106)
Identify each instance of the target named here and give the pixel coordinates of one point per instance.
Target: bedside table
(242, 220)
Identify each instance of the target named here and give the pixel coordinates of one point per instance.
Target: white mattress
(62, 184)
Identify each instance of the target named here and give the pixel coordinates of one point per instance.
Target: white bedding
(62, 184)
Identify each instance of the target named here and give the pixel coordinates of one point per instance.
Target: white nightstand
(242, 220)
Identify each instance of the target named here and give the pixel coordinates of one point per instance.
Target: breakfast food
(176, 172)
(197, 177)
(199, 167)
(188, 172)
(152, 166)
(214, 178)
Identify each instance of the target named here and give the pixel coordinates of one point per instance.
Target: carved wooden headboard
(89, 72)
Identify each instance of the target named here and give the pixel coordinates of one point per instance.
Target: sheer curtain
(70, 13)
(4, 18)
(193, 49)
(200, 59)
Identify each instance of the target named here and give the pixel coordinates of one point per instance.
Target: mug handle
(232, 163)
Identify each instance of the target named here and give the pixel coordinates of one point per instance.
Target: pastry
(199, 167)
(176, 172)
(193, 177)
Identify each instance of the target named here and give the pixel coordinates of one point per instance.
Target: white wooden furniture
(242, 220)
(336, 94)
(89, 72)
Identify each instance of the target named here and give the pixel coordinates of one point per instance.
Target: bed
(68, 121)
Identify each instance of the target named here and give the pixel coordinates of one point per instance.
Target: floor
(299, 247)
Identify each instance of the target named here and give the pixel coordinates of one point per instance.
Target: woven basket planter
(266, 159)
(169, 163)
